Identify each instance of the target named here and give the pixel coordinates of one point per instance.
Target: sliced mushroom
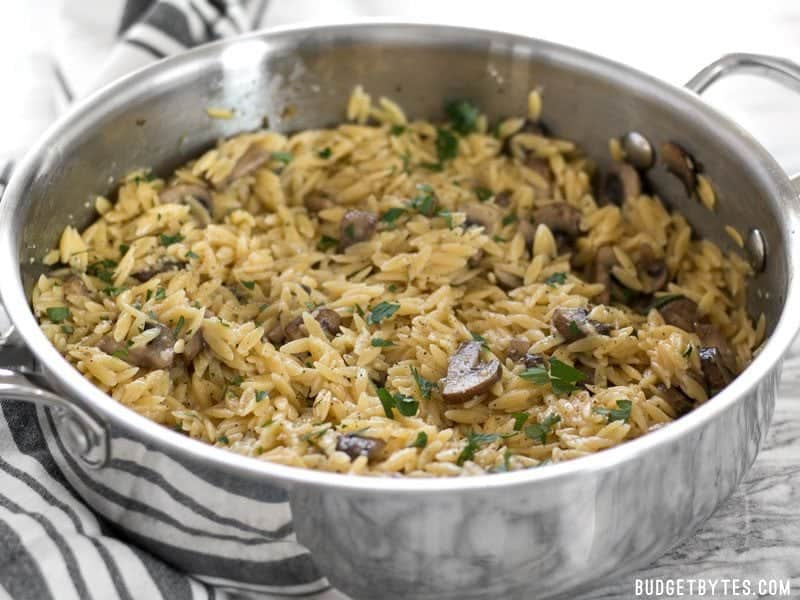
(681, 313)
(197, 197)
(711, 336)
(681, 164)
(507, 281)
(360, 445)
(317, 201)
(482, 215)
(356, 226)
(254, 157)
(503, 199)
(157, 354)
(276, 335)
(517, 349)
(74, 286)
(528, 231)
(560, 218)
(467, 376)
(621, 182)
(600, 272)
(474, 261)
(162, 266)
(329, 320)
(588, 374)
(652, 271)
(574, 324)
(678, 401)
(194, 345)
(716, 374)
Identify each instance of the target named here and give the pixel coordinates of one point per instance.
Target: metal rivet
(638, 150)
(756, 249)
(74, 435)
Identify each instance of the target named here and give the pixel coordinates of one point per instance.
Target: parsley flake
(168, 240)
(621, 413)
(483, 194)
(561, 376)
(519, 420)
(391, 215)
(557, 279)
(424, 386)
(381, 343)
(261, 395)
(397, 130)
(283, 157)
(249, 284)
(662, 301)
(58, 313)
(179, 325)
(325, 153)
(381, 311)
(405, 405)
(539, 431)
(161, 293)
(327, 242)
(474, 442)
(463, 116)
(446, 145)
(421, 440)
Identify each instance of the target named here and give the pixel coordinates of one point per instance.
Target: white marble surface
(756, 533)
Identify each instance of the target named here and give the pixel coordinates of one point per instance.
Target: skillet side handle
(84, 435)
(780, 70)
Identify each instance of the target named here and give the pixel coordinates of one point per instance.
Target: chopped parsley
(325, 153)
(121, 353)
(58, 313)
(435, 167)
(509, 219)
(447, 216)
(327, 242)
(474, 442)
(662, 301)
(249, 284)
(561, 377)
(68, 329)
(236, 381)
(102, 269)
(425, 203)
(421, 440)
(539, 431)
(405, 405)
(359, 311)
(312, 436)
(179, 325)
(161, 293)
(123, 249)
(381, 343)
(556, 279)
(446, 145)
(223, 440)
(621, 413)
(483, 194)
(382, 310)
(397, 130)
(191, 254)
(688, 352)
(113, 291)
(168, 240)
(519, 420)
(424, 386)
(391, 215)
(479, 338)
(261, 395)
(283, 157)
(392, 287)
(574, 330)
(463, 116)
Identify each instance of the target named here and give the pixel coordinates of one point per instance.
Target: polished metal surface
(756, 249)
(782, 70)
(541, 532)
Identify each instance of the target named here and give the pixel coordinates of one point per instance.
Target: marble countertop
(756, 532)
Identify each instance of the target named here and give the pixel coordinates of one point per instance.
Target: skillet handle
(83, 434)
(780, 70)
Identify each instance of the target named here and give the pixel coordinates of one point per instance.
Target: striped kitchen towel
(52, 546)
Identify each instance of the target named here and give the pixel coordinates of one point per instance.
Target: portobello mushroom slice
(162, 266)
(317, 201)
(157, 354)
(194, 345)
(716, 374)
(474, 261)
(254, 157)
(574, 324)
(563, 219)
(467, 376)
(680, 312)
(711, 336)
(503, 199)
(517, 349)
(197, 197)
(621, 182)
(360, 445)
(678, 401)
(482, 215)
(73, 285)
(652, 271)
(681, 164)
(356, 226)
(600, 272)
(540, 166)
(328, 319)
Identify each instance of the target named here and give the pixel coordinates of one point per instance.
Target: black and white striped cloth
(52, 546)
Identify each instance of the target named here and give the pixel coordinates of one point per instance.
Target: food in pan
(401, 297)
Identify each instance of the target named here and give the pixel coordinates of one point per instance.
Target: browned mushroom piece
(540, 166)
(600, 272)
(317, 201)
(528, 231)
(503, 199)
(680, 312)
(276, 335)
(329, 320)
(588, 374)
(157, 354)
(73, 286)
(254, 157)
(194, 345)
(681, 164)
(356, 226)
(197, 197)
(517, 349)
(652, 271)
(621, 182)
(716, 374)
(467, 376)
(508, 281)
(162, 266)
(678, 401)
(474, 261)
(482, 215)
(711, 337)
(560, 218)
(360, 445)
(574, 324)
